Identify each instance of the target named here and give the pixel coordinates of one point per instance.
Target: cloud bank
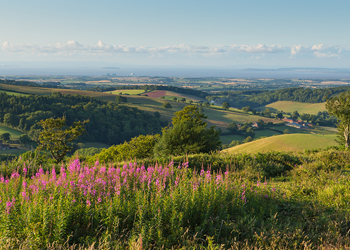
(74, 48)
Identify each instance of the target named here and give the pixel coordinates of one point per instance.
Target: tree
(232, 127)
(246, 109)
(188, 134)
(339, 106)
(24, 139)
(279, 115)
(157, 114)
(286, 131)
(225, 105)
(56, 139)
(267, 112)
(121, 99)
(295, 115)
(207, 104)
(6, 137)
(183, 99)
(10, 119)
(190, 101)
(166, 105)
(174, 99)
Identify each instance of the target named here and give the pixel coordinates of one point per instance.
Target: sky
(191, 33)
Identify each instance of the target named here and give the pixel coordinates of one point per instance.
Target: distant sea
(309, 73)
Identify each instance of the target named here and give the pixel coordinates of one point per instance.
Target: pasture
(15, 134)
(288, 106)
(288, 142)
(126, 92)
(12, 93)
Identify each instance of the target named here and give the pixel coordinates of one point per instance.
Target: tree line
(256, 98)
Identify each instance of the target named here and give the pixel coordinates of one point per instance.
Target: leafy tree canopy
(189, 134)
(339, 106)
(56, 139)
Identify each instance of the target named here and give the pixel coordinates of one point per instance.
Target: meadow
(257, 201)
(286, 142)
(288, 106)
(126, 91)
(15, 134)
(12, 93)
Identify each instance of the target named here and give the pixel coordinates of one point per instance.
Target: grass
(288, 142)
(15, 134)
(12, 93)
(126, 91)
(253, 201)
(288, 106)
(227, 139)
(265, 132)
(13, 151)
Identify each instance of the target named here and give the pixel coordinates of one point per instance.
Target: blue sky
(250, 33)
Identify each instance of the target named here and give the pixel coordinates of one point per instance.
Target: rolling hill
(301, 107)
(288, 142)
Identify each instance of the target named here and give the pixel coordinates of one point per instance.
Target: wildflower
(88, 203)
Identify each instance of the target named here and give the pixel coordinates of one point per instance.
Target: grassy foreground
(305, 204)
(286, 142)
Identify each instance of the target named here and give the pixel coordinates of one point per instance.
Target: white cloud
(74, 48)
(319, 47)
(295, 49)
(260, 48)
(325, 55)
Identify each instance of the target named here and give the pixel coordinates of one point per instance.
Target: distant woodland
(109, 122)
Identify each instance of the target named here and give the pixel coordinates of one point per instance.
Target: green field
(15, 134)
(289, 142)
(12, 93)
(287, 106)
(126, 91)
(227, 139)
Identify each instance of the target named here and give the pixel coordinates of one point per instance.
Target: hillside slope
(289, 142)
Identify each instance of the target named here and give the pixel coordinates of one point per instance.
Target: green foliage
(167, 105)
(247, 109)
(121, 99)
(139, 147)
(56, 139)
(157, 114)
(339, 106)
(225, 105)
(24, 139)
(117, 123)
(286, 131)
(5, 137)
(232, 127)
(189, 134)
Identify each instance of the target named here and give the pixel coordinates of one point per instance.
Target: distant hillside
(289, 106)
(289, 142)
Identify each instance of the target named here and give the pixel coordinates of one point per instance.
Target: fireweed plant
(158, 205)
